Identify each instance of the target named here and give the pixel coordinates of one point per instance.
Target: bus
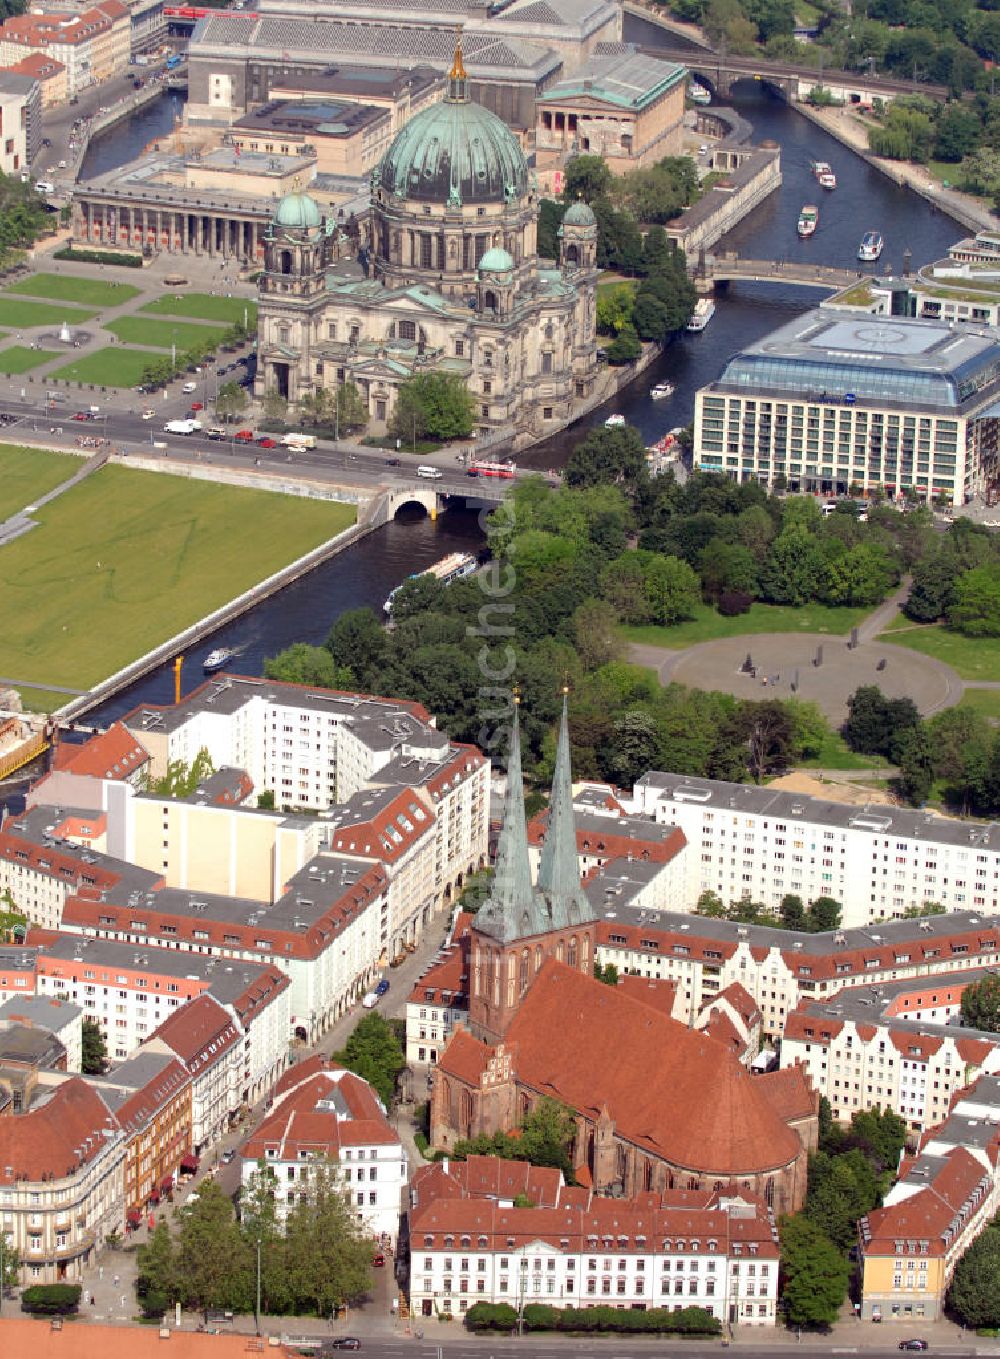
(505, 470)
(432, 473)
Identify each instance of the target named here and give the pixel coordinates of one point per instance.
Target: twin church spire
(515, 908)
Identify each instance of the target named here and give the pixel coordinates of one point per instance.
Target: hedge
(69, 252)
(538, 1316)
(51, 1299)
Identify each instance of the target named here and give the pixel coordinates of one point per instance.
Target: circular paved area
(778, 657)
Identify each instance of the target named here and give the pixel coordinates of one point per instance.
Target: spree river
(863, 200)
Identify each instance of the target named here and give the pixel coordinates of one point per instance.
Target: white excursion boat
(614, 422)
(870, 247)
(698, 93)
(456, 566)
(808, 220)
(824, 174)
(661, 390)
(703, 312)
(216, 659)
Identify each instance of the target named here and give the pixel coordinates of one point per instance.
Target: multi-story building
(324, 1114)
(62, 1020)
(468, 1243)
(830, 401)
(440, 997)
(205, 1039)
(150, 1097)
(50, 74)
(401, 93)
(61, 1182)
(944, 1198)
(20, 121)
(93, 44)
(877, 861)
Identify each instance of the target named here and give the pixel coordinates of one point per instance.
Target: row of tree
(433, 405)
(793, 914)
(848, 1175)
(314, 1260)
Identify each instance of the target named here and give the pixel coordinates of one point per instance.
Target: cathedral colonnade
(169, 229)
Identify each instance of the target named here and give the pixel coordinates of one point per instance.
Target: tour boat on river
(870, 247)
(824, 174)
(808, 219)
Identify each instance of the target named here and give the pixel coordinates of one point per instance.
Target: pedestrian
(117, 1281)
(123, 1302)
(100, 1272)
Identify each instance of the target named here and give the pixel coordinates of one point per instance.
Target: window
(407, 330)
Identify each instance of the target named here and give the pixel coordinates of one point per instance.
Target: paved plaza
(784, 665)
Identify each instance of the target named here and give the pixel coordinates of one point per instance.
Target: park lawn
(707, 625)
(111, 367)
(19, 358)
(93, 292)
(974, 658)
(42, 700)
(27, 473)
(204, 307)
(162, 334)
(126, 559)
(836, 754)
(984, 701)
(17, 314)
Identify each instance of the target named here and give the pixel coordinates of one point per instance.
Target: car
(382, 987)
(149, 413)
(915, 1344)
(472, 472)
(345, 1342)
(267, 442)
(45, 186)
(244, 436)
(83, 415)
(197, 406)
(379, 1261)
(46, 141)
(228, 1155)
(62, 165)
(189, 387)
(392, 462)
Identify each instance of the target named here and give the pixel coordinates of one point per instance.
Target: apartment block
(20, 121)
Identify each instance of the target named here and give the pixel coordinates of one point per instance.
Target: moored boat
(870, 247)
(661, 390)
(216, 659)
(824, 174)
(456, 566)
(703, 312)
(614, 421)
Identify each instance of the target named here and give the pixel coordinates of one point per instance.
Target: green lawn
(974, 658)
(708, 624)
(835, 754)
(62, 288)
(111, 367)
(17, 314)
(19, 358)
(162, 334)
(41, 700)
(985, 701)
(127, 559)
(27, 473)
(204, 307)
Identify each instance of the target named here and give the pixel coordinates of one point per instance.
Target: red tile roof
(465, 1057)
(935, 1214)
(23, 1336)
(55, 1137)
(658, 992)
(444, 983)
(390, 832)
(113, 754)
(741, 1001)
(298, 1127)
(142, 1107)
(672, 1091)
(200, 1033)
(39, 67)
(790, 1092)
(496, 1177)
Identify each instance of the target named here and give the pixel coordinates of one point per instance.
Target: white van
(369, 1001)
(189, 387)
(44, 186)
(434, 473)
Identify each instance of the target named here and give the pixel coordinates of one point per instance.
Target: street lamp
(256, 1312)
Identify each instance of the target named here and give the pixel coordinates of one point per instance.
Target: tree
(915, 756)
(824, 915)
(433, 405)
(327, 1252)
(301, 663)
(156, 1284)
(711, 905)
(608, 974)
(275, 406)
(550, 217)
(350, 408)
(316, 406)
(975, 604)
(794, 569)
(608, 457)
(595, 634)
(548, 1136)
(359, 641)
(792, 912)
(767, 732)
(632, 748)
(876, 724)
(614, 308)
(95, 1050)
(586, 177)
(815, 1275)
(974, 1294)
(13, 923)
(625, 347)
(260, 1226)
(958, 129)
(181, 778)
(981, 1004)
(231, 401)
(672, 590)
(213, 1262)
(374, 1053)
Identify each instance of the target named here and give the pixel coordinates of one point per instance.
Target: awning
(166, 1184)
(134, 1216)
(190, 1164)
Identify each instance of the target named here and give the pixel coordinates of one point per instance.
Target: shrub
(51, 1299)
(491, 1316)
(70, 252)
(484, 1316)
(734, 602)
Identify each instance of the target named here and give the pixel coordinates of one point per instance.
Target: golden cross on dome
(457, 71)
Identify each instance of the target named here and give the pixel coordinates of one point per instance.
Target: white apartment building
(20, 107)
(206, 1041)
(690, 1250)
(876, 861)
(61, 1182)
(326, 1115)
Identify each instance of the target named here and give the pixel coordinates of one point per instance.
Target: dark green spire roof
(559, 869)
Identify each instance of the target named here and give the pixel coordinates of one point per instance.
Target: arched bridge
(728, 267)
(434, 496)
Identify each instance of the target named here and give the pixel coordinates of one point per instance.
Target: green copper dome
(579, 214)
(496, 261)
(298, 210)
(455, 152)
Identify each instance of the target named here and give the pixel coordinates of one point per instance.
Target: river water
(365, 574)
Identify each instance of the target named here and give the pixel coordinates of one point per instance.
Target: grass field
(204, 307)
(19, 358)
(835, 754)
(111, 367)
(42, 700)
(974, 658)
(92, 292)
(27, 473)
(17, 314)
(162, 334)
(708, 625)
(985, 701)
(126, 559)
